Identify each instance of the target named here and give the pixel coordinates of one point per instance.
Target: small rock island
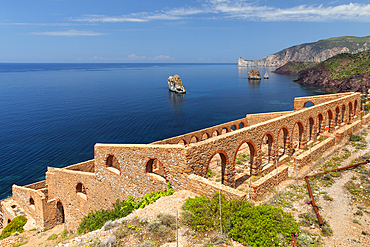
(175, 84)
(254, 74)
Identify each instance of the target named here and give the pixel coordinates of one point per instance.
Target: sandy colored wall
(262, 117)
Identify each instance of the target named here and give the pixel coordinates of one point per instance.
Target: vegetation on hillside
(295, 67)
(95, 220)
(16, 225)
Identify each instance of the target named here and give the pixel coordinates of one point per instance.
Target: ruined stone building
(119, 170)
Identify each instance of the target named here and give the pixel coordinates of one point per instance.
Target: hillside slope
(343, 72)
(312, 52)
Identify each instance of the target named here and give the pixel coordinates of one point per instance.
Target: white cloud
(70, 33)
(243, 10)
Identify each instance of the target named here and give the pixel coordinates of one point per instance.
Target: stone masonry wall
(262, 117)
(203, 186)
(316, 100)
(87, 166)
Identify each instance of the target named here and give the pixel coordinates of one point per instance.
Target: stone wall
(269, 181)
(87, 166)
(203, 186)
(262, 117)
(299, 103)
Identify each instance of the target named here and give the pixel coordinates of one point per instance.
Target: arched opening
(308, 104)
(81, 190)
(194, 139)
(182, 142)
(343, 112)
(216, 167)
(32, 203)
(233, 128)
(320, 119)
(337, 116)
(266, 149)
(243, 162)
(330, 120)
(215, 133)
(310, 128)
(60, 218)
(155, 169)
(355, 108)
(241, 125)
(113, 165)
(224, 131)
(205, 136)
(9, 221)
(282, 141)
(297, 136)
(350, 108)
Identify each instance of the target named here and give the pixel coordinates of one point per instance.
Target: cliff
(343, 73)
(311, 52)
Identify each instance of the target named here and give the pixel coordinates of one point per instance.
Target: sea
(52, 114)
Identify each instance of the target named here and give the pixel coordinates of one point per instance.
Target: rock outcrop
(254, 74)
(175, 84)
(311, 52)
(266, 76)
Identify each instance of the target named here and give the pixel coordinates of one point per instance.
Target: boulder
(266, 76)
(175, 84)
(254, 74)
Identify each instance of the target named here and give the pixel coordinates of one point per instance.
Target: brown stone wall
(205, 132)
(23, 195)
(269, 181)
(36, 186)
(199, 154)
(203, 186)
(87, 166)
(262, 117)
(316, 100)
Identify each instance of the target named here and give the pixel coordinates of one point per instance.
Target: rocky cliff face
(175, 84)
(311, 52)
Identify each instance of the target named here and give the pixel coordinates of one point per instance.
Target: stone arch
(215, 133)
(194, 139)
(205, 136)
(310, 128)
(224, 130)
(343, 113)
(212, 170)
(60, 216)
(112, 164)
(32, 203)
(81, 190)
(154, 167)
(266, 148)
(320, 123)
(245, 153)
(308, 104)
(329, 121)
(233, 128)
(241, 125)
(282, 144)
(337, 116)
(350, 109)
(355, 108)
(297, 139)
(182, 142)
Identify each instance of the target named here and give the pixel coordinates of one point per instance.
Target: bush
(16, 225)
(168, 220)
(95, 220)
(261, 225)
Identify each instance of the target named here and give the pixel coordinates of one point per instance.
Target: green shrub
(16, 225)
(52, 237)
(95, 220)
(261, 225)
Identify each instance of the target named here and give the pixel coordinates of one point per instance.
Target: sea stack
(266, 76)
(175, 84)
(254, 75)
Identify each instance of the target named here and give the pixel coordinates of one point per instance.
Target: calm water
(53, 114)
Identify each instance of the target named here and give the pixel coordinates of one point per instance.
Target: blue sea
(53, 114)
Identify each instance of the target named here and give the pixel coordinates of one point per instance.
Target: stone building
(189, 161)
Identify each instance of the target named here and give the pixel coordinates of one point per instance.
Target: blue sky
(170, 31)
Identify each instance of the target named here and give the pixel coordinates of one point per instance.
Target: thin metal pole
(219, 196)
(177, 228)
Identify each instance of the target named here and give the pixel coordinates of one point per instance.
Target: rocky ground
(342, 198)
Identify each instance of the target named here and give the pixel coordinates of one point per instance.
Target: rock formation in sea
(266, 76)
(311, 52)
(175, 84)
(254, 74)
